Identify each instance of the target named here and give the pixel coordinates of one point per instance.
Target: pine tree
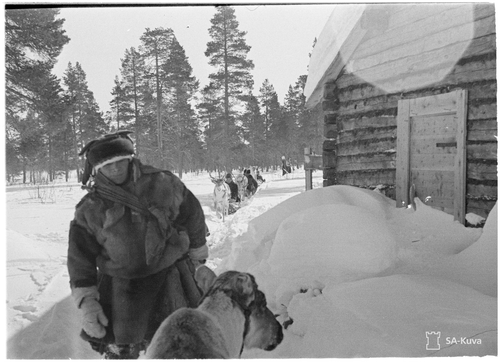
(52, 118)
(120, 104)
(210, 115)
(31, 144)
(155, 47)
(33, 40)
(132, 73)
(254, 132)
(180, 87)
(83, 112)
(227, 51)
(278, 130)
(293, 109)
(310, 127)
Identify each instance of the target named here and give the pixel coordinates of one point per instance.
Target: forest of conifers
(223, 126)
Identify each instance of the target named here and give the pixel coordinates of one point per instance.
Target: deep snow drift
(349, 274)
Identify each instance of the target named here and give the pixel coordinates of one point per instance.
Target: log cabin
(407, 93)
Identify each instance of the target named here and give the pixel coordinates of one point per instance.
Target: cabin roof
(394, 32)
(337, 40)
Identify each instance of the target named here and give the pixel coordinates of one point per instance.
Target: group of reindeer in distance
(234, 189)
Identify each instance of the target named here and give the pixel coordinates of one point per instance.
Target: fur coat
(110, 236)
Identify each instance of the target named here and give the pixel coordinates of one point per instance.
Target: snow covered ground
(349, 274)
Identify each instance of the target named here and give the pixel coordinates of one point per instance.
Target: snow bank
(53, 335)
(20, 248)
(389, 317)
(338, 241)
(347, 270)
(430, 229)
(250, 248)
(476, 266)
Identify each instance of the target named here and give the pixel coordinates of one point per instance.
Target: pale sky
(281, 37)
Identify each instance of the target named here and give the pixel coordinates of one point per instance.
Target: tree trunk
(75, 146)
(136, 112)
(51, 161)
(158, 109)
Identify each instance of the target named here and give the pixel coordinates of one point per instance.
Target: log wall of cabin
(361, 118)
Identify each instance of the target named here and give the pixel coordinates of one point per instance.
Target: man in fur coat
(135, 242)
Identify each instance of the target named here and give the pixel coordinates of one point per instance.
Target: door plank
(403, 154)
(460, 161)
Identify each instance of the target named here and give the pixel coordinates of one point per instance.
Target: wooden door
(431, 151)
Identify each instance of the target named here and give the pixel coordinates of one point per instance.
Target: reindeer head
(216, 180)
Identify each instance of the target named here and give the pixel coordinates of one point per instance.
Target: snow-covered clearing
(349, 274)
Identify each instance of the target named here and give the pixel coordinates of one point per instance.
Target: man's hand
(93, 318)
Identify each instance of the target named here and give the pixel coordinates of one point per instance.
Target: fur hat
(107, 149)
(110, 151)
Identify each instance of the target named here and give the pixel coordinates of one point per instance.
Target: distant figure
(285, 166)
(260, 178)
(233, 187)
(252, 184)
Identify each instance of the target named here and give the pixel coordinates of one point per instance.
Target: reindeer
(221, 196)
(242, 182)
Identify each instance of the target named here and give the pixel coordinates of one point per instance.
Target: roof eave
(329, 56)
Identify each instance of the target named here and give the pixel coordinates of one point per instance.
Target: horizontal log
(362, 166)
(479, 207)
(481, 171)
(470, 72)
(364, 122)
(330, 118)
(368, 105)
(490, 125)
(481, 111)
(363, 162)
(329, 145)
(329, 105)
(477, 87)
(330, 173)
(329, 90)
(329, 159)
(482, 135)
(346, 149)
(330, 130)
(361, 107)
(367, 179)
(481, 90)
(327, 182)
(481, 191)
(485, 151)
(367, 133)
